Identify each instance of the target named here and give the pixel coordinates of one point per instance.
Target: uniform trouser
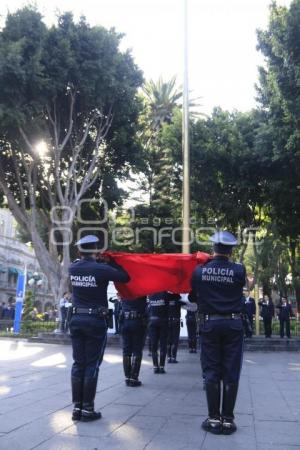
(268, 326)
(173, 337)
(158, 330)
(249, 332)
(117, 324)
(88, 335)
(221, 355)
(133, 337)
(285, 323)
(222, 350)
(192, 333)
(63, 317)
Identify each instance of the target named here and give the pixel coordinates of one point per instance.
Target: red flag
(150, 273)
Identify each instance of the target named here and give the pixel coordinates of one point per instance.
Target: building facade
(14, 257)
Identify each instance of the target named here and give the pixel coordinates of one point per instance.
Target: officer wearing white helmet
(219, 289)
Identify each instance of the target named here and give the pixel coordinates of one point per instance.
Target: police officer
(174, 314)
(191, 324)
(158, 329)
(285, 314)
(89, 279)
(250, 310)
(133, 322)
(267, 313)
(219, 289)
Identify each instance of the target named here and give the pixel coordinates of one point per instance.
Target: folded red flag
(150, 273)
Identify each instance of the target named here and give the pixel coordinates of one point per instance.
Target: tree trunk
(295, 272)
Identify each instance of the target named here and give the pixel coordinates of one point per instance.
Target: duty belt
(221, 316)
(102, 312)
(132, 315)
(158, 318)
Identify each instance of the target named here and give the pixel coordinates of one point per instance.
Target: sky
(223, 59)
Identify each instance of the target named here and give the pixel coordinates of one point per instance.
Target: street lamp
(35, 282)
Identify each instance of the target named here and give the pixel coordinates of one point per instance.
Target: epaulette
(75, 260)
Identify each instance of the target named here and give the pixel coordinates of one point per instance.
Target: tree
(279, 95)
(68, 110)
(160, 100)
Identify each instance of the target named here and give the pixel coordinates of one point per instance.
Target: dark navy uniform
(88, 325)
(191, 324)
(285, 314)
(219, 288)
(267, 313)
(175, 304)
(117, 311)
(250, 310)
(158, 328)
(133, 329)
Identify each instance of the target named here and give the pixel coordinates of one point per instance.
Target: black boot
(135, 371)
(230, 391)
(155, 362)
(174, 354)
(89, 414)
(162, 361)
(127, 368)
(89, 392)
(213, 423)
(77, 385)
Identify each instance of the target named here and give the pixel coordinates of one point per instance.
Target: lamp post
(35, 282)
(185, 142)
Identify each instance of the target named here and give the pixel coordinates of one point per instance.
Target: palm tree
(161, 99)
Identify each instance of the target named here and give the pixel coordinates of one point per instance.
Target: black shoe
(174, 361)
(170, 360)
(191, 350)
(88, 415)
(76, 414)
(230, 391)
(134, 383)
(156, 369)
(162, 370)
(127, 368)
(127, 381)
(213, 426)
(135, 371)
(228, 426)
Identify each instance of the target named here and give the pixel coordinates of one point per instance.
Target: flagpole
(185, 142)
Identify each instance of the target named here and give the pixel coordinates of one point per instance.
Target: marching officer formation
(216, 298)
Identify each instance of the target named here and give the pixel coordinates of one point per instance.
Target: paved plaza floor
(166, 413)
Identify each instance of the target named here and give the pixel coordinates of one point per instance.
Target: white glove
(190, 307)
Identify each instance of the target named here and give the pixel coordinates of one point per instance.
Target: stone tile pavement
(166, 413)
